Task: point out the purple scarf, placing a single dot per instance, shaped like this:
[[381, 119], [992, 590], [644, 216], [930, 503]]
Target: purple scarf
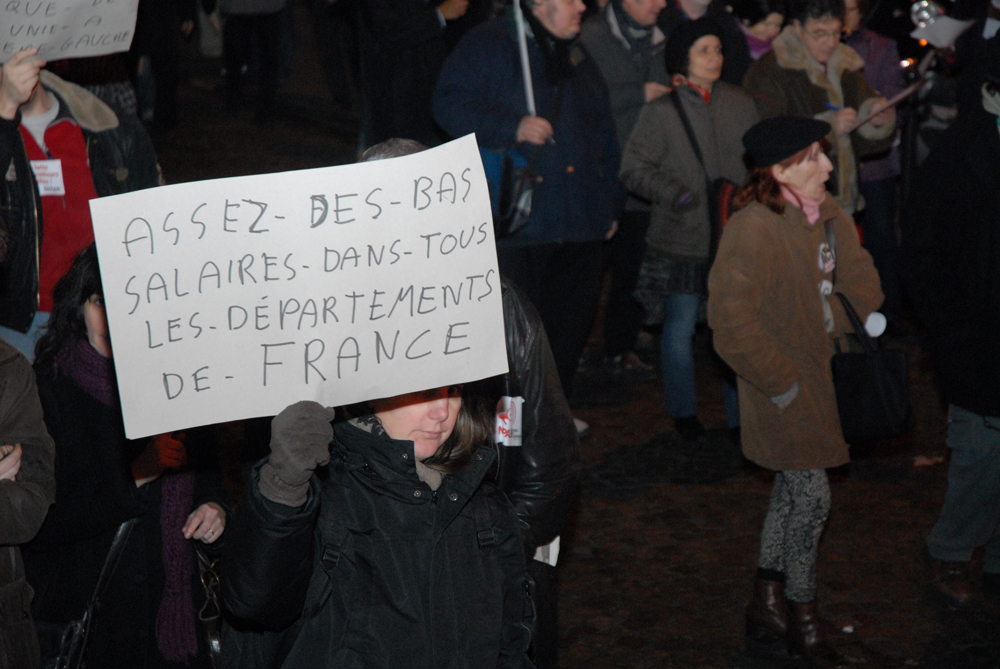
[[175, 627], [88, 369]]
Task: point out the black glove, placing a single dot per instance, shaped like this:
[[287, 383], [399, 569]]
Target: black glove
[[300, 442]]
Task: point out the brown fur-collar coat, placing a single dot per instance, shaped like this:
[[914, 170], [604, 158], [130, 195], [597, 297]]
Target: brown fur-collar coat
[[768, 312], [787, 80]]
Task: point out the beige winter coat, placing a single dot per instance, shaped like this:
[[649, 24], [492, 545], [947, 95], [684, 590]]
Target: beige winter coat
[[786, 80], [767, 312]]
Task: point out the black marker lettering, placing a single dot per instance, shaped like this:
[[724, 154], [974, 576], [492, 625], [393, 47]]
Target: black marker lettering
[[309, 361]]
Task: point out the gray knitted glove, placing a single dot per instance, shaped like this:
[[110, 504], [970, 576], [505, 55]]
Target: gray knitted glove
[[300, 442]]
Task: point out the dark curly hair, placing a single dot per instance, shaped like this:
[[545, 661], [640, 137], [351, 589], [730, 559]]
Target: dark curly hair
[[68, 297], [753, 12], [803, 10]]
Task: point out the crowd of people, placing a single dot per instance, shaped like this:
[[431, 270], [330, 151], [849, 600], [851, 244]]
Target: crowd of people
[[396, 532]]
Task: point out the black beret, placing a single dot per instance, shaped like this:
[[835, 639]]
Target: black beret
[[675, 53], [772, 140]]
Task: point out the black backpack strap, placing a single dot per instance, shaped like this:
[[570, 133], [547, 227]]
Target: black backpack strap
[[484, 527]]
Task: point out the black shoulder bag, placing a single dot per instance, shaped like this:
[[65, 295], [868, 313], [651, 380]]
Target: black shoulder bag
[[73, 644], [511, 181], [872, 385], [720, 192]]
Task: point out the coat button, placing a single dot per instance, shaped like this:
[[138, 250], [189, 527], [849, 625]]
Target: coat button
[[406, 456], [479, 456], [416, 493], [453, 496]]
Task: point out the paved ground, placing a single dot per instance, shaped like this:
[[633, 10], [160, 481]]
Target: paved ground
[[657, 565]]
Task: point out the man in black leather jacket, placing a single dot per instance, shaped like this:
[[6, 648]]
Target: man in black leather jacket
[[540, 476], [120, 157]]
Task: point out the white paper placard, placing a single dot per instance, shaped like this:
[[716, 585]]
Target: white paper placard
[[233, 298], [67, 28]]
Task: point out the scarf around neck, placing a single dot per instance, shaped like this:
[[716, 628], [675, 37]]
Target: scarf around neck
[[555, 51], [680, 80], [798, 199], [639, 37], [758, 47], [89, 370]]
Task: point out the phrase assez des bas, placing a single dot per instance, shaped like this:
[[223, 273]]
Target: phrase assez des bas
[[251, 216]]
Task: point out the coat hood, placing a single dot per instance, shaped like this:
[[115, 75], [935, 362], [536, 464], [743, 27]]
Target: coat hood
[[87, 109]]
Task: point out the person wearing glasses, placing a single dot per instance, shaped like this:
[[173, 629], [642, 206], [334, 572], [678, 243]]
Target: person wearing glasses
[[809, 73]]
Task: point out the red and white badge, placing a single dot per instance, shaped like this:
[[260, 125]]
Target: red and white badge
[[49, 175]]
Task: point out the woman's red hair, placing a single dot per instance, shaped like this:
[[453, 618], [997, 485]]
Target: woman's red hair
[[761, 186]]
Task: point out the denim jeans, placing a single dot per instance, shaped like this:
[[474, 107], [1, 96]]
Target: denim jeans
[[970, 516], [677, 360]]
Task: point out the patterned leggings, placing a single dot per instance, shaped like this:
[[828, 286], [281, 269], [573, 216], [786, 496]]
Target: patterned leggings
[[800, 504]]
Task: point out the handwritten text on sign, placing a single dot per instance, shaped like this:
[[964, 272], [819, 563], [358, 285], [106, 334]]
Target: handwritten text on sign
[[66, 28], [233, 298]]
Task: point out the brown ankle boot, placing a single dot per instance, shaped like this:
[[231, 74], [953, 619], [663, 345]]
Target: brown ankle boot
[[767, 612], [806, 639]]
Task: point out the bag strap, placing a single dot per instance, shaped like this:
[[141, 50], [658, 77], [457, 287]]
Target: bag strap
[[676, 99], [859, 329], [107, 571], [484, 529]]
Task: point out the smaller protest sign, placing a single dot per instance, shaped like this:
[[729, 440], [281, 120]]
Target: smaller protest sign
[[66, 28]]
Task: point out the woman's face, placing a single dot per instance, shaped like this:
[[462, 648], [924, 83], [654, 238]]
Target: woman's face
[[769, 28], [426, 418], [705, 61], [96, 321], [808, 176]]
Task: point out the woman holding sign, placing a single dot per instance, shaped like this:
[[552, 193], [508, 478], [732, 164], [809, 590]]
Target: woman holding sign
[[374, 542], [147, 616]]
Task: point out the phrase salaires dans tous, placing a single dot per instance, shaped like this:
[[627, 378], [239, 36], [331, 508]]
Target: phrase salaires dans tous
[[319, 334]]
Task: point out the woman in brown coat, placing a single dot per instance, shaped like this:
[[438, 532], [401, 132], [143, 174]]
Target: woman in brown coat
[[775, 323]]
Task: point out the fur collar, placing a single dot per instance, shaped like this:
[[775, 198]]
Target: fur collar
[[86, 109], [792, 55]]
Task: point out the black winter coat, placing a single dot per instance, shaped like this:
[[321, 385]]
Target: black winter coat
[[950, 253], [95, 493], [376, 569]]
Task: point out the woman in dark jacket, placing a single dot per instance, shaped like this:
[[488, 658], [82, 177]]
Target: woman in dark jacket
[[394, 553], [770, 305], [660, 164], [147, 617]]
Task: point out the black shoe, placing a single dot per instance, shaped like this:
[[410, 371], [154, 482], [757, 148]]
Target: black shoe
[[689, 427], [950, 582]]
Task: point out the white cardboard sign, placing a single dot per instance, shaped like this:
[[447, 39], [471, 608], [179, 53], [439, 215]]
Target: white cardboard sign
[[67, 28], [233, 298]]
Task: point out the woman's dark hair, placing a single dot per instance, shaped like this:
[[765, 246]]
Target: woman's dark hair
[[753, 12], [803, 10], [68, 297], [474, 427], [761, 186]]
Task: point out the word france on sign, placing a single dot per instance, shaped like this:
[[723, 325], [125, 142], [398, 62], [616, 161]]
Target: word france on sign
[[233, 298]]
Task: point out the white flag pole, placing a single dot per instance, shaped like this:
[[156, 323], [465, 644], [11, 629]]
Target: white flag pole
[[522, 42]]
